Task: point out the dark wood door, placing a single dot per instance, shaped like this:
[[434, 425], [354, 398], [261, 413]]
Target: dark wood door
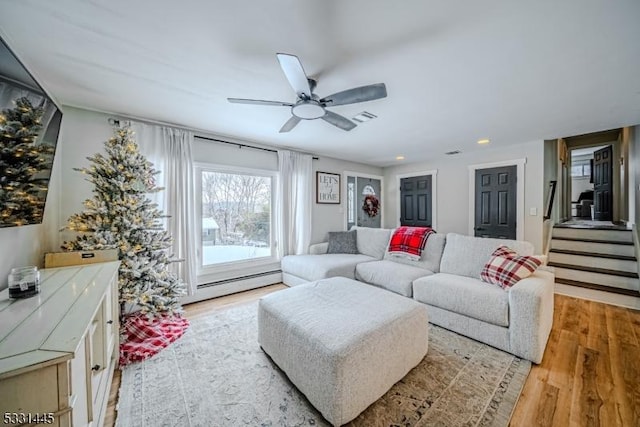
[[602, 184], [495, 202], [415, 201]]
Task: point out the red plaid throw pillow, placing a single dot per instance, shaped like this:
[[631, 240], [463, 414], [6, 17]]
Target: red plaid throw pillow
[[506, 267]]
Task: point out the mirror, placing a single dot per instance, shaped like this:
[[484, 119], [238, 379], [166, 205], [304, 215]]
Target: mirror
[[29, 126]]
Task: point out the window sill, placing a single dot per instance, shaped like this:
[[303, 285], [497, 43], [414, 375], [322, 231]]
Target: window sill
[[237, 269]]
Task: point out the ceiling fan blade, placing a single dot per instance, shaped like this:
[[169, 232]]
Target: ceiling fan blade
[[357, 94], [259, 102], [338, 120], [294, 72], [291, 123]]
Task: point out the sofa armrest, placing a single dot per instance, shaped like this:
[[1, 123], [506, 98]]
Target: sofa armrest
[[531, 315], [319, 248]]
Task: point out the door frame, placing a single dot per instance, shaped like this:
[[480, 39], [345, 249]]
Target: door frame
[[434, 194], [519, 163], [345, 174]]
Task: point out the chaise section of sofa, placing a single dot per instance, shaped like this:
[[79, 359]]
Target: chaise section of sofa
[[371, 245], [299, 269], [517, 320]]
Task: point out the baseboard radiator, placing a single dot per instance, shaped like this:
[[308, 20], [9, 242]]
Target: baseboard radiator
[[238, 279]]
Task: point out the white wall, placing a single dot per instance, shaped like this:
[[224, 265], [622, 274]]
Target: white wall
[[332, 217], [84, 134], [578, 185], [452, 204]]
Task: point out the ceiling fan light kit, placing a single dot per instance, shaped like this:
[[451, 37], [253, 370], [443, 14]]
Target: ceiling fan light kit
[[309, 106], [308, 110]]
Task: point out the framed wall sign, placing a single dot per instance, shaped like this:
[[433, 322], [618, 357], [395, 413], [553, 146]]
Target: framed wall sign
[[327, 188]]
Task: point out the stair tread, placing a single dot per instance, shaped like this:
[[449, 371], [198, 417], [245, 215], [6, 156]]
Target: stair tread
[[597, 287], [580, 239], [593, 254], [594, 270], [593, 227]]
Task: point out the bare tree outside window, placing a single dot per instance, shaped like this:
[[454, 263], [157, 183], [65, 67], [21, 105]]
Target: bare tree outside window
[[236, 217]]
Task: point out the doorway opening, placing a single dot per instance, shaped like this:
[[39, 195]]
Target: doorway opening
[[582, 183], [595, 180], [364, 200]]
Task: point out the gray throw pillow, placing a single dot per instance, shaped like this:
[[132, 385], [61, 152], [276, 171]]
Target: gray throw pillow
[[342, 242]]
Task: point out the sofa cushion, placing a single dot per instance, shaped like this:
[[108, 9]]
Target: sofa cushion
[[390, 275], [316, 267], [372, 241], [430, 258], [505, 268], [342, 242], [318, 248], [467, 255], [464, 295]]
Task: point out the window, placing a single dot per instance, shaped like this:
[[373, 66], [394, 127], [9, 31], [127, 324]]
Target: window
[[581, 170], [236, 215], [351, 202]]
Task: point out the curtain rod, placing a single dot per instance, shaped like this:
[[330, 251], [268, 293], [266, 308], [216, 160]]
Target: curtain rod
[[116, 121], [240, 145]]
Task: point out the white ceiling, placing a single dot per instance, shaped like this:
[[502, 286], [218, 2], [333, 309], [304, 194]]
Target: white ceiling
[[456, 71]]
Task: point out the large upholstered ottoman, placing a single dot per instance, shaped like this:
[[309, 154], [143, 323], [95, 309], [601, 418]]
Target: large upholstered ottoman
[[342, 343]]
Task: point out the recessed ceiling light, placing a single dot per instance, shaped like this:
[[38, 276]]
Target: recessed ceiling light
[[483, 141], [399, 157]]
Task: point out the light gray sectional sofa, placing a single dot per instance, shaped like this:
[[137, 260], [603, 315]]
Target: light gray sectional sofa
[[447, 280]]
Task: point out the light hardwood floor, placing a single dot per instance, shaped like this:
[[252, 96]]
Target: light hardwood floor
[[589, 376]]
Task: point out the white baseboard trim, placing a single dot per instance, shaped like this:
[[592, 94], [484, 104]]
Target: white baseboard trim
[[599, 296], [214, 291]]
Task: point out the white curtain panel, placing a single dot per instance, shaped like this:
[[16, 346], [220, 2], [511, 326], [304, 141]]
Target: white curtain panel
[[294, 201], [170, 150]]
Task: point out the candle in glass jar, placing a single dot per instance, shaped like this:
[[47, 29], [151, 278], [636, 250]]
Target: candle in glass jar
[[24, 282]]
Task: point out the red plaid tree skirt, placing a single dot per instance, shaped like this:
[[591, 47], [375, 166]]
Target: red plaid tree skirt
[[142, 337]]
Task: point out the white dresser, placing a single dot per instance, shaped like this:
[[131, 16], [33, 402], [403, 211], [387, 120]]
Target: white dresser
[[58, 349]]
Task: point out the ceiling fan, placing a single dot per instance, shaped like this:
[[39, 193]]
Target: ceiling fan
[[308, 106]]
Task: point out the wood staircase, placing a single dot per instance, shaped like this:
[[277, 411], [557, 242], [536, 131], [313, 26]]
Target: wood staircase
[[594, 257]]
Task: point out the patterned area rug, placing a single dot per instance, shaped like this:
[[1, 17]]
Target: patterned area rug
[[217, 375]]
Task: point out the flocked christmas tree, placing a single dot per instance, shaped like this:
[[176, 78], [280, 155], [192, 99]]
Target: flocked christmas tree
[[121, 216], [21, 161]]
